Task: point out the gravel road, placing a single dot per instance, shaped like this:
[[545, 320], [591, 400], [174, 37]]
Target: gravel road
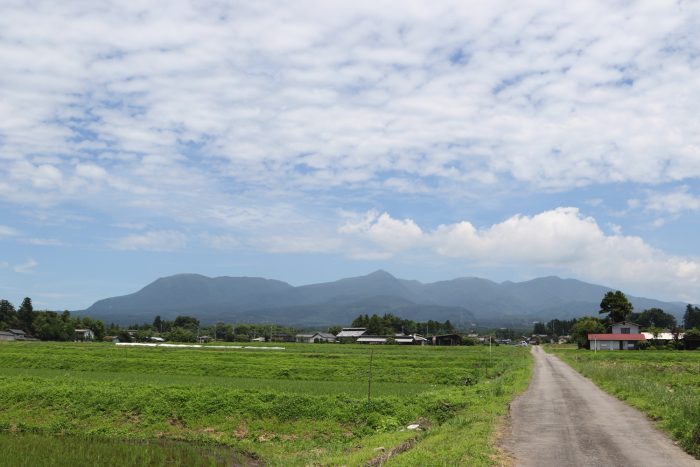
[[563, 419]]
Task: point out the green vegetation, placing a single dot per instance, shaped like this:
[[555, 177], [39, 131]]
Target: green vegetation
[[663, 384], [304, 405]]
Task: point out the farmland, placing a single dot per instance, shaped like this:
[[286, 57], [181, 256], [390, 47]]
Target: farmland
[[305, 404], [663, 384]]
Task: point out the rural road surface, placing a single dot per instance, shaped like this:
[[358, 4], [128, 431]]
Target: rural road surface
[[563, 419]]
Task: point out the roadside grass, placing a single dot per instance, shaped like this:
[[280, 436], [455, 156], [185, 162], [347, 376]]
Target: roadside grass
[[304, 405], [663, 384]]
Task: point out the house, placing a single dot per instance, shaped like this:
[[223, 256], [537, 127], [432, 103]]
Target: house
[[413, 339], [350, 334], [305, 337], [315, 337], [447, 339], [6, 336], [203, 339], [282, 337], [18, 333], [623, 336], [372, 340], [84, 335]]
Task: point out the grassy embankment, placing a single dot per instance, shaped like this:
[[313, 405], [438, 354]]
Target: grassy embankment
[[306, 404], [663, 384]]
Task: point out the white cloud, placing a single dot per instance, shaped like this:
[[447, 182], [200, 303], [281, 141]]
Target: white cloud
[[561, 240], [8, 231], [673, 202], [26, 267], [156, 240], [44, 241], [171, 109], [221, 242]]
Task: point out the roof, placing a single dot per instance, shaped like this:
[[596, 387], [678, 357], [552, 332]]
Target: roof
[[371, 339], [662, 336], [16, 331], [351, 332], [305, 335], [616, 337], [325, 335], [83, 330], [4, 333]]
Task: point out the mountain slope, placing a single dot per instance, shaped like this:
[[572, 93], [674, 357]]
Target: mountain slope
[[464, 300]]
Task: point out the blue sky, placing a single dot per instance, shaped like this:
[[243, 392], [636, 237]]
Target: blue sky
[[318, 140]]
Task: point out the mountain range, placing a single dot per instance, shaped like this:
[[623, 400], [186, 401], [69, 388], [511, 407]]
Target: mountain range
[[466, 302]]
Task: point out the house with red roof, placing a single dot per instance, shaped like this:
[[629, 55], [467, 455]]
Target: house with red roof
[[623, 336]]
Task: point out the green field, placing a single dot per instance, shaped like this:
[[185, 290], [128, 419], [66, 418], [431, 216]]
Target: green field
[[303, 405], [663, 384]]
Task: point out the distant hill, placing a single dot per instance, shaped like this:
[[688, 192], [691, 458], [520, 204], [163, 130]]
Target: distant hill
[[464, 301]]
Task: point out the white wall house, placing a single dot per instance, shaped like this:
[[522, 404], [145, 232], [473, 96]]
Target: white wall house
[[623, 336]]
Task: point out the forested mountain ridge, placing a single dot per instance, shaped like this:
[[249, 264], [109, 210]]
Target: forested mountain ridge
[[465, 301]]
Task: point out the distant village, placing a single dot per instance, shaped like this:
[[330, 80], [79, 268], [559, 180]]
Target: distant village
[[620, 329]]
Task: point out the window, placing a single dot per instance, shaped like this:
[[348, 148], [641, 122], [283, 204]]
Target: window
[[624, 330]]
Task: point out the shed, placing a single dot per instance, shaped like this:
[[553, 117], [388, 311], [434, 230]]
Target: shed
[[6, 336], [372, 340], [413, 339], [350, 334], [447, 339], [84, 335], [18, 333]]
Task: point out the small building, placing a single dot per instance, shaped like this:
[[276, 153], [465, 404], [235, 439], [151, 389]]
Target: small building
[[372, 340], [258, 339], [447, 339], [283, 337], [84, 335], [350, 334], [18, 333], [315, 337], [413, 339], [662, 337], [623, 336], [305, 337], [156, 339], [6, 336], [203, 339]]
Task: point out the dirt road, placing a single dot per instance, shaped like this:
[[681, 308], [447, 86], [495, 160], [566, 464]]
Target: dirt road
[[565, 420]]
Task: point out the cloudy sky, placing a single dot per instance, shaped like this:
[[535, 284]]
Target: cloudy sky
[[309, 141]]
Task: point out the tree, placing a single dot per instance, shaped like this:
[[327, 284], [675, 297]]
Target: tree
[[187, 322], [691, 318], [8, 314], [26, 314], [654, 318], [158, 324], [583, 327], [616, 306]]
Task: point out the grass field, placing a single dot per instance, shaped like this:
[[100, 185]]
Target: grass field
[[663, 384], [303, 405]]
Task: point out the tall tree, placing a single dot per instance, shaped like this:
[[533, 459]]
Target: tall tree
[[158, 324], [26, 314], [616, 306], [8, 314], [691, 318], [583, 327], [654, 318]]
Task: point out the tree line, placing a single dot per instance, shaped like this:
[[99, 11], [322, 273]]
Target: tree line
[[46, 325], [389, 324]]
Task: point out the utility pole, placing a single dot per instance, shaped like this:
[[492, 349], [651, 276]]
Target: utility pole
[[369, 377]]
